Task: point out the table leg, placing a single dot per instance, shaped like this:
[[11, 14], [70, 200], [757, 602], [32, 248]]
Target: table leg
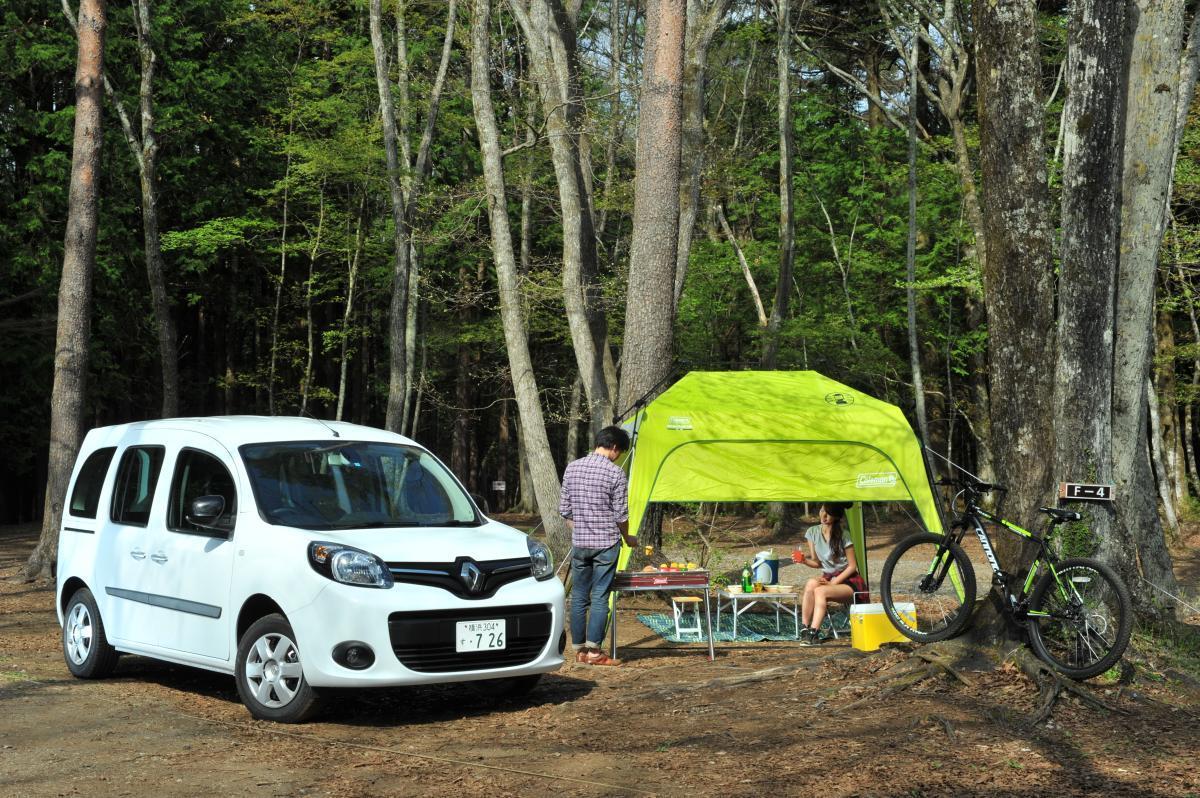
[[708, 624], [612, 624]]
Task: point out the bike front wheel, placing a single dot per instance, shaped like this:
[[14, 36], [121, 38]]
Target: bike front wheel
[[928, 587], [1080, 618]]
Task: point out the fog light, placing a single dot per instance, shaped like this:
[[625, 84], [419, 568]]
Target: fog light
[[353, 654], [562, 642]]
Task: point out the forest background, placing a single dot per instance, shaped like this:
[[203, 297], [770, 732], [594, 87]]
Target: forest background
[[298, 214]]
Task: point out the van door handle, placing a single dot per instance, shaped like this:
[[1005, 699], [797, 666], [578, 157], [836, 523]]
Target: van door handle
[[137, 554], [158, 557]]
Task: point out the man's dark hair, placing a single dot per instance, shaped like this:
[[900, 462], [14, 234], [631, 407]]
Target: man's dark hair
[[611, 437]]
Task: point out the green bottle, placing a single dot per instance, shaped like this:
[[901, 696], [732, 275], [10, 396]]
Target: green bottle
[[747, 585]]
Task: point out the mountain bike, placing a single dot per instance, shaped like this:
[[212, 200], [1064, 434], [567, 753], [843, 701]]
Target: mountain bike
[[1077, 611]]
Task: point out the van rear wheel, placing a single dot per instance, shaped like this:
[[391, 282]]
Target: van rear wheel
[[85, 645], [270, 675]]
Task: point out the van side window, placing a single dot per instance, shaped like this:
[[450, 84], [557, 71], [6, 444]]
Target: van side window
[[199, 474], [85, 497], [136, 478]]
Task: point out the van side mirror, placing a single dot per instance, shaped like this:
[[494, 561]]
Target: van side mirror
[[205, 511], [481, 503]]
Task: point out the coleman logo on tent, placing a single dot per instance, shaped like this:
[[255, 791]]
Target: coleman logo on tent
[[883, 479], [679, 422], [841, 399]]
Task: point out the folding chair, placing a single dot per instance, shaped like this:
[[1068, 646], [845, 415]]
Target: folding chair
[[838, 623]]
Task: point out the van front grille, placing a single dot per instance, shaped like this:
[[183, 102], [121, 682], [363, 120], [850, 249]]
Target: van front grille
[[425, 641]]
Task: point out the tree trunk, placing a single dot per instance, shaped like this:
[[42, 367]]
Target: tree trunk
[[1019, 270], [914, 345], [145, 155], [398, 312], [148, 173], [649, 311], [550, 38], [348, 310], [535, 443], [1092, 152], [73, 335], [1157, 460], [787, 230], [310, 338], [1150, 136], [703, 18]]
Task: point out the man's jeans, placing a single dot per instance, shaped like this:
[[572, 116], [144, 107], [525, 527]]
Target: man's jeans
[[592, 573]]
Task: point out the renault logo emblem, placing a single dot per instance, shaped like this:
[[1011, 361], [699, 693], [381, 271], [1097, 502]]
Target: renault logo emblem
[[471, 576]]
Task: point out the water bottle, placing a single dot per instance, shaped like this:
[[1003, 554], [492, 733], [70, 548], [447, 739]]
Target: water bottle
[[747, 585]]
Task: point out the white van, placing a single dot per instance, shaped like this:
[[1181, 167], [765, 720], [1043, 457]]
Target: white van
[[296, 554]]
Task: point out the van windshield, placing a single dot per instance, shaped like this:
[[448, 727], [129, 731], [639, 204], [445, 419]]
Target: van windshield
[[354, 485]]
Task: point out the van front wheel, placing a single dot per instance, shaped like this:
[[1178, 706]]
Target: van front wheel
[[270, 677]]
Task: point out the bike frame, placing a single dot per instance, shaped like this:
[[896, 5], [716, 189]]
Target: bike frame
[[974, 517]]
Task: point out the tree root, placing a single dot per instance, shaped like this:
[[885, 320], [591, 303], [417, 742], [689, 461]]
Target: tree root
[[944, 665], [902, 681], [946, 725], [1052, 685]]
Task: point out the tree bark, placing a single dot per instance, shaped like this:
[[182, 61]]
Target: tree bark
[[650, 305], [1019, 271], [1092, 155], [787, 230], [73, 334], [534, 440]]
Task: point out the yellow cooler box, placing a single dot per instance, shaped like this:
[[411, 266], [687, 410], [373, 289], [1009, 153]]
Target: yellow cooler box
[[870, 627]]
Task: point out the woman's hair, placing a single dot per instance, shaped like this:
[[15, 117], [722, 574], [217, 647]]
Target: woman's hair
[[837, 512]]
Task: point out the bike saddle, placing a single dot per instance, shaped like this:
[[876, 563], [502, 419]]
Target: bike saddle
[[1061, 515]]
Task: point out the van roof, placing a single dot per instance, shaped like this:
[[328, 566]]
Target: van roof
[[234, 431]]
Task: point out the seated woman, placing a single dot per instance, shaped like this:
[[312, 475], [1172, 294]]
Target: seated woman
[[832, 551]]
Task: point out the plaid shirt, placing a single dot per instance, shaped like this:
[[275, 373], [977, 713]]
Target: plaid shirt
[[594, 498]]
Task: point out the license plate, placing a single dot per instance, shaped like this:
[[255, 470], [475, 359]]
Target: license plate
[[479, 635]]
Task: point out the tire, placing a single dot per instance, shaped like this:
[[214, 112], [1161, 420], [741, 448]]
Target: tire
[[511, 687], [85, 645], [269, 673], [1086, 633], [944, 598]]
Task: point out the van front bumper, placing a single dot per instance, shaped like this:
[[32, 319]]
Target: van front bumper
[[411, 630]]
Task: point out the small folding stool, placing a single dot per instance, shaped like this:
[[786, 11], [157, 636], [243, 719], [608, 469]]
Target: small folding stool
[[687, 616]]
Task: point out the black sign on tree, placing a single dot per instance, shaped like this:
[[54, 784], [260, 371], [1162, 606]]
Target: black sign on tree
[[1075, 491]]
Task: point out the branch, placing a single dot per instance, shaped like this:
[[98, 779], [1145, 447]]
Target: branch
[[853, 82], [758, 305]]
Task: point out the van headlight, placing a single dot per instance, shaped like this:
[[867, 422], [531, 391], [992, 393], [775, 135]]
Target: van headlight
[[542, 559], [348, 565]]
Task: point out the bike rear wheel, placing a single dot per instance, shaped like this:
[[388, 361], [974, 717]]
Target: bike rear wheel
[[1088, 616], [934, 576]]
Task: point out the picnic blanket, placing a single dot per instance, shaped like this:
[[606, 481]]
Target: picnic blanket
[[752, 627]]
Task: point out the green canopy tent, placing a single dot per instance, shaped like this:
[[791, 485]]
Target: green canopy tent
[[786, 436]]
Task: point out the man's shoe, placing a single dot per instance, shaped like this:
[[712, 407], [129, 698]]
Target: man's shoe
[[582, 654], [806, 636], [600, 658]]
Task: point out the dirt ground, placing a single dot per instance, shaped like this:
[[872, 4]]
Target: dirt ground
[[764, 719]]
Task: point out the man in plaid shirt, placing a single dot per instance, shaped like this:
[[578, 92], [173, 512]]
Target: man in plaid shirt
[[595, 504]]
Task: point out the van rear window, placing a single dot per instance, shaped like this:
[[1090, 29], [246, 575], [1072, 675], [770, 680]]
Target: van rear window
[[137, 477], [85, 497]]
